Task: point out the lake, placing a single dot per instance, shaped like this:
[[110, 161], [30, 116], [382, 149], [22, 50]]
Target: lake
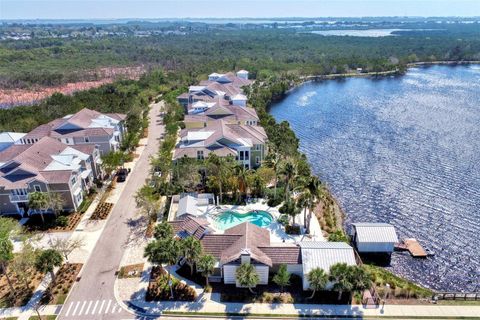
[[375, 33], [403, 150]]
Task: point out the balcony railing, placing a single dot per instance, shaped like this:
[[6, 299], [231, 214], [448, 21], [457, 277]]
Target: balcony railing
[[18, 198]]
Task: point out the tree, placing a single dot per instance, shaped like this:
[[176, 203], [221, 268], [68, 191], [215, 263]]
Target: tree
[[242, 176], [186, 174], [218, 169], [206, 265], [290, 172], [192, 251], [290, 208], [147, 199], [317, 279], [112, 160], [39, 201], [360, 278], [163, 252], [66, 246], [338, 236], [274, 161], [340, 275], [24, 262], [6, 256], [55, 202], [282, 278], [47, 260], [247, 276], [163, 230]]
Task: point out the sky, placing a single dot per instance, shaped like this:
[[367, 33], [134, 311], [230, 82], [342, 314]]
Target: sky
[[151, 9]]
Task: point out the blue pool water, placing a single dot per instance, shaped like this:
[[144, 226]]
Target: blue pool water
[[230, 219]]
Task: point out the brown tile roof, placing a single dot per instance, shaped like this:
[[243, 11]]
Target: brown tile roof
[[215, 244], [283, 254], [87, 148], [190, 225]]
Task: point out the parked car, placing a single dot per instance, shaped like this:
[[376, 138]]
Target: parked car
[[122, 175]]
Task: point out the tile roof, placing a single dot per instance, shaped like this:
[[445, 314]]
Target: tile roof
[[188, 225], [283, 254]]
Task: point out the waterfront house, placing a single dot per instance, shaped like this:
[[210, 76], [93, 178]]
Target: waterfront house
[[10, 138], [84, 127], [48, 165], [376, 238], [247, 144], [205, 115]]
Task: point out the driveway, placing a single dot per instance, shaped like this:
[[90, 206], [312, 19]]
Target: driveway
[[93, 296]]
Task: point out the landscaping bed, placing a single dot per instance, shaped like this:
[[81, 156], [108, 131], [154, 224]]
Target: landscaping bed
[[102, 211], [184, 271], [271, 293], [131, 271], [158, 289], [23, 291], [66, 276], [62, 223]]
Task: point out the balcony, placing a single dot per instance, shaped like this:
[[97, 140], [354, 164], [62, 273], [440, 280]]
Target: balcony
[[18, 198]]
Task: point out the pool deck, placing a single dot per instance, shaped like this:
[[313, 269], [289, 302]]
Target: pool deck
[[277, 233]]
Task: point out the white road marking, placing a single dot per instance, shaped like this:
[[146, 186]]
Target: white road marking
[[68, 310], [108, 306], [95, 306], [88, 308], [101, 307], [76, 307], [81, 309]]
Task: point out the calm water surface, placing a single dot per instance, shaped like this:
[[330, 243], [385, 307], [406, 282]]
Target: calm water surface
[[403, 150]]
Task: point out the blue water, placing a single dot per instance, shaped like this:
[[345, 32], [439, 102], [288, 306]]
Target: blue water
[[403, 150], [230, 219]]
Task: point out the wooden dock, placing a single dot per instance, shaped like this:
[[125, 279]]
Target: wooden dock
[[415, 249]]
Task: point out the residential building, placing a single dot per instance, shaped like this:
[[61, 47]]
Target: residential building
[[84, 127], [248, 243], [374, 237], [10, 138], [246, 143], [205, 115], [48, 165]]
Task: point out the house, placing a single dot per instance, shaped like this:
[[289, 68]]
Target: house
[[323, 255], [200, 118], [247, 144], [46, 166], [243, 74], [374, 237], [189, 204], [10, 138], [84, 127], [248, 243]]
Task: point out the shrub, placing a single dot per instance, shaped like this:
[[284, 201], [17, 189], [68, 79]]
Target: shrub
[[292, 229], [283, 219], [61, 221]]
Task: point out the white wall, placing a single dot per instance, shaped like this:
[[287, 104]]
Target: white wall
[[375, 246], [295, 269], [229, 274]]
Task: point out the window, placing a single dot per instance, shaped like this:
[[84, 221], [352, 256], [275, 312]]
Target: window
[[200, 155], [37, 188], [73, 180], [87, 139], [246, 155], [241, 155], [257, 160]]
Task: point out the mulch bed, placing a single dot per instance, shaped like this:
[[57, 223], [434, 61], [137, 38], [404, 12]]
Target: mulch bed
[[23, 293], [35, 224], [102, 211], [131, 271], [158, 289], [184, 271], [66, 276]]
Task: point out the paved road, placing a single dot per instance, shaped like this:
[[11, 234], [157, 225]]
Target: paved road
[[93, 297]]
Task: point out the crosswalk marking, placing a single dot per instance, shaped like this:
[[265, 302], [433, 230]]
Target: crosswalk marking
[[95, 307], [68, 310], [89, 308], [76, 307], [101, 306], [108, 306]]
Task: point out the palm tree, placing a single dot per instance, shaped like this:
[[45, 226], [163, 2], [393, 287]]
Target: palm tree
[[282, 278], [192, 251], [247, 276], [340, 275], [310, 194], [274, 161], [360, 278], [163, 230], [290, 172], [219, 169], [206, 264], [48, 260], [317, 279], [163, 252], [39, 201], [242, 175]]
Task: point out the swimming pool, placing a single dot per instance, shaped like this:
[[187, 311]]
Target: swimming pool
[[230, 219]]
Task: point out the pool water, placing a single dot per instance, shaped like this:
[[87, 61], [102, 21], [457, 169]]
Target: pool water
[[230, 219]]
